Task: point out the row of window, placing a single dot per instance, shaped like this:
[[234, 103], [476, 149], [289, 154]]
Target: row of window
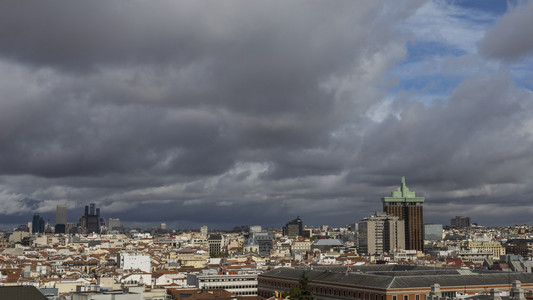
[[338, 292], [347, 294], [228, 279], [225, 287], [246, 293], [406, 297]]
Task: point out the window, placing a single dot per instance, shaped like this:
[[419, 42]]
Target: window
[[393, 297], [405, 297], [417, 297]]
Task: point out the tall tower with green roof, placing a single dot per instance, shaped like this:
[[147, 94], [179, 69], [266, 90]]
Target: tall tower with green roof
[[404, 204]]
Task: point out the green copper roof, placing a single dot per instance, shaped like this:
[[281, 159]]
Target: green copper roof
[[402, 194]]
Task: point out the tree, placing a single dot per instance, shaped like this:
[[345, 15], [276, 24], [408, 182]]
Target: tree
[[303, 292]]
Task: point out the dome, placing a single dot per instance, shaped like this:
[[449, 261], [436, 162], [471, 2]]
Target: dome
[[251, 242]]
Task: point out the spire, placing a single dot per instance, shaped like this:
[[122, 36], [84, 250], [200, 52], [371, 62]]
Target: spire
[[403, 194]]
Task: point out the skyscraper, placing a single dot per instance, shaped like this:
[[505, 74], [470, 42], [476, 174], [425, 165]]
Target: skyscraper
[[37, 224], [61, 219], [61, 214], [91, 220], [405, 205]]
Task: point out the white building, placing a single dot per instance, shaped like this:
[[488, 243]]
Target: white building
[[127, 261], [164, 278], [243, 284], [203, 229]]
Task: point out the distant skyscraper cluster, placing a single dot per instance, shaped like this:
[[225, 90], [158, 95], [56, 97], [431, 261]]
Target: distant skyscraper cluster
[[91, 222]]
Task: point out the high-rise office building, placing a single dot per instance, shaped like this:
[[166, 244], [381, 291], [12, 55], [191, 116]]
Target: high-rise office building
[[37, 224], [404, 204], [61, 214], [61, 219], [381, 233], [294, 228]]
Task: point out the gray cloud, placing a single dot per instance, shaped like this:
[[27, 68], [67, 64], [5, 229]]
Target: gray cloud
[[510, 39], [482, 134], [236, 112]]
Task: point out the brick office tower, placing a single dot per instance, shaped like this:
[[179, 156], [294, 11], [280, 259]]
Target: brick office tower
[[405, 205]]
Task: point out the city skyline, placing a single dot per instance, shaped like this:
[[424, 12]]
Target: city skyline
[[241, 113]]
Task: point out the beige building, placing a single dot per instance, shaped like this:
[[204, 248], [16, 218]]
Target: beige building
[[381, 233], [17, 236], [189, 258], [495, 248], [301, 246]]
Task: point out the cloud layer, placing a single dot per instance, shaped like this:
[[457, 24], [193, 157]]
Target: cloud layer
[[239, 112]]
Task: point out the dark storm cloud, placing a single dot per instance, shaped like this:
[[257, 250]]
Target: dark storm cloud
[[180, 87], [510, 39]]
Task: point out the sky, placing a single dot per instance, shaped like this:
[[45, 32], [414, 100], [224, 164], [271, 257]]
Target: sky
[[239, 112]]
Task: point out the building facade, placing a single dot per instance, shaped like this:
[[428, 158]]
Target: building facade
[[381, 233], [433, 232], [114, 224], [128, 261], [238, 284], [265, 241], [460, 222], [388, 282], [294, 228], [495, 248], [215, 243]]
